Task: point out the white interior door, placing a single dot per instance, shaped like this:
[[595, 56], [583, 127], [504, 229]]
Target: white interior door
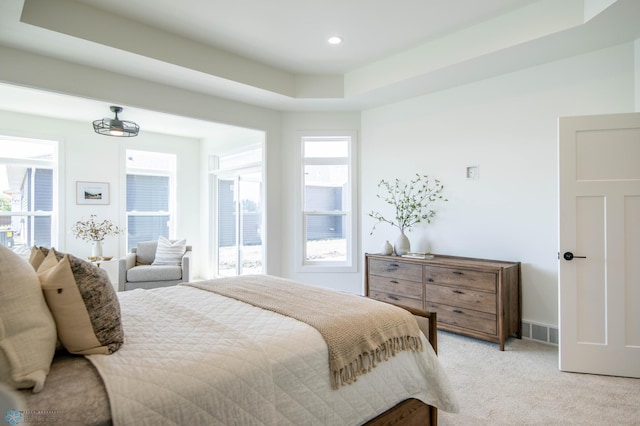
[[599, 225]]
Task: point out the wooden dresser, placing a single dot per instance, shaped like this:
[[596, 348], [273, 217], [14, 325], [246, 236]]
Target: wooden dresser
[[476, 297]]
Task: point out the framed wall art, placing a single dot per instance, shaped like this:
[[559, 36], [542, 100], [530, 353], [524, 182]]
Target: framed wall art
[[92, 192]]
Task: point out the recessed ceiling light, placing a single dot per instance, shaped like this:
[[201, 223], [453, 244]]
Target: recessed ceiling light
[[335, 40]]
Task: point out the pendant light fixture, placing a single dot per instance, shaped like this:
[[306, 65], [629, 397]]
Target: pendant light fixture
[[116, 127]]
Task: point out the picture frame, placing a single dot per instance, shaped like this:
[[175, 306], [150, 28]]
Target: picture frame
[[92, 192]]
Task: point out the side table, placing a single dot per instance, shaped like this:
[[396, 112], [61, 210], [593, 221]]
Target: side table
[[111, 267]]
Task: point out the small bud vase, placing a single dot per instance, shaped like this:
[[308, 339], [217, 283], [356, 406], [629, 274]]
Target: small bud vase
[[387, 248], [402, 245], [96, 249]]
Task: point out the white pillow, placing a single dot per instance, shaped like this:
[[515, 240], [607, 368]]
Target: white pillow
[[169, 252], [27, 328]]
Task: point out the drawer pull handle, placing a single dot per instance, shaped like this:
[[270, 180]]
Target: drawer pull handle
[[458, 292], [394, 282], [458, 311], [430, 280], [458, 273], [393, 298]]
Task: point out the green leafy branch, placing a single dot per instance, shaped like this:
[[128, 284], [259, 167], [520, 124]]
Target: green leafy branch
[[412, 201]]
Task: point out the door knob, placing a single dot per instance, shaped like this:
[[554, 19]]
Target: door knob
[[569, 256]]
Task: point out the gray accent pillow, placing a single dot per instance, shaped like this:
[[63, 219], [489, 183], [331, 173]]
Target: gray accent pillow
[[86, 307], [146, 252]]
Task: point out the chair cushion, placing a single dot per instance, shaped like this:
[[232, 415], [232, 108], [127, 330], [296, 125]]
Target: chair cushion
[[27, 328], [169, 252], [154, 273], [146, 252], [84, 304]]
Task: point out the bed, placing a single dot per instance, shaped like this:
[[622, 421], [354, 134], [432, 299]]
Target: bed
[[193, 355]]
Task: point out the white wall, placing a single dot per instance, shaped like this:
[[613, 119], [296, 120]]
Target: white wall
[[507, 126]]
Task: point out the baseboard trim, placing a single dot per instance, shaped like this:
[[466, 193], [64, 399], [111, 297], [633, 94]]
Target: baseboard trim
[[540, 332]]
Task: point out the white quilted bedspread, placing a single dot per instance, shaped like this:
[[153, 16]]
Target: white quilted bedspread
[[194, 357]]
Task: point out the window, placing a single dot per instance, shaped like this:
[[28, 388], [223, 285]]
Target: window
[[28, 190], [150, 196], [328, 187]]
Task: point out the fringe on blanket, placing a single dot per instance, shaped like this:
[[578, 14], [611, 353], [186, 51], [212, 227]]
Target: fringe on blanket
[[368, 360]]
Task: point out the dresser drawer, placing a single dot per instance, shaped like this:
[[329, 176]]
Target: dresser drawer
[[389, 285], [398, 270], [396, 291], [396, 299], [465, 318], [477, 280], [461, 297]]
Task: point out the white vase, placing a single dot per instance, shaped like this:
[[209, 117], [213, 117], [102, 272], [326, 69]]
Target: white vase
[[402, 244], [96, 249], [387, 248]]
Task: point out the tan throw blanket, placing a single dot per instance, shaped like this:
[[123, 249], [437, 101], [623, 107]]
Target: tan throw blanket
[[359, 332]]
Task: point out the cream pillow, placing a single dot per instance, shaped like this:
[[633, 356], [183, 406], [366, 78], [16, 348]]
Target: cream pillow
[[27, 329], [169, 252], [37, 256], [83, 303]]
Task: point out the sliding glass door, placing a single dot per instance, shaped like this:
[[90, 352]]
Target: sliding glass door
[[239, 223]]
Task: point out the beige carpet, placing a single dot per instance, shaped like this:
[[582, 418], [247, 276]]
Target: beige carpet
[[523, 386]]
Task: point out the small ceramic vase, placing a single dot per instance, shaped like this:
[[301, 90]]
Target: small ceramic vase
[[387, 248]]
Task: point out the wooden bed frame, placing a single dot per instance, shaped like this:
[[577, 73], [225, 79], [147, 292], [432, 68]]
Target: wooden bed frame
[[413, 412]]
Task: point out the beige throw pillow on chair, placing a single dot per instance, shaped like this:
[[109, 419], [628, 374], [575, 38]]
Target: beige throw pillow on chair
[[169, 252]]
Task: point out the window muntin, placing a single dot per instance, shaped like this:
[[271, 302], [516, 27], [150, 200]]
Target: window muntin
[[150, 190], [327, 203]]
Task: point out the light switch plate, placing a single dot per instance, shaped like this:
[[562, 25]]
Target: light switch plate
[[472, 172]]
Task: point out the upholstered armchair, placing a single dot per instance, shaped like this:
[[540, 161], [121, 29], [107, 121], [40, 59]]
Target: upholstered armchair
[[139, 268]]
